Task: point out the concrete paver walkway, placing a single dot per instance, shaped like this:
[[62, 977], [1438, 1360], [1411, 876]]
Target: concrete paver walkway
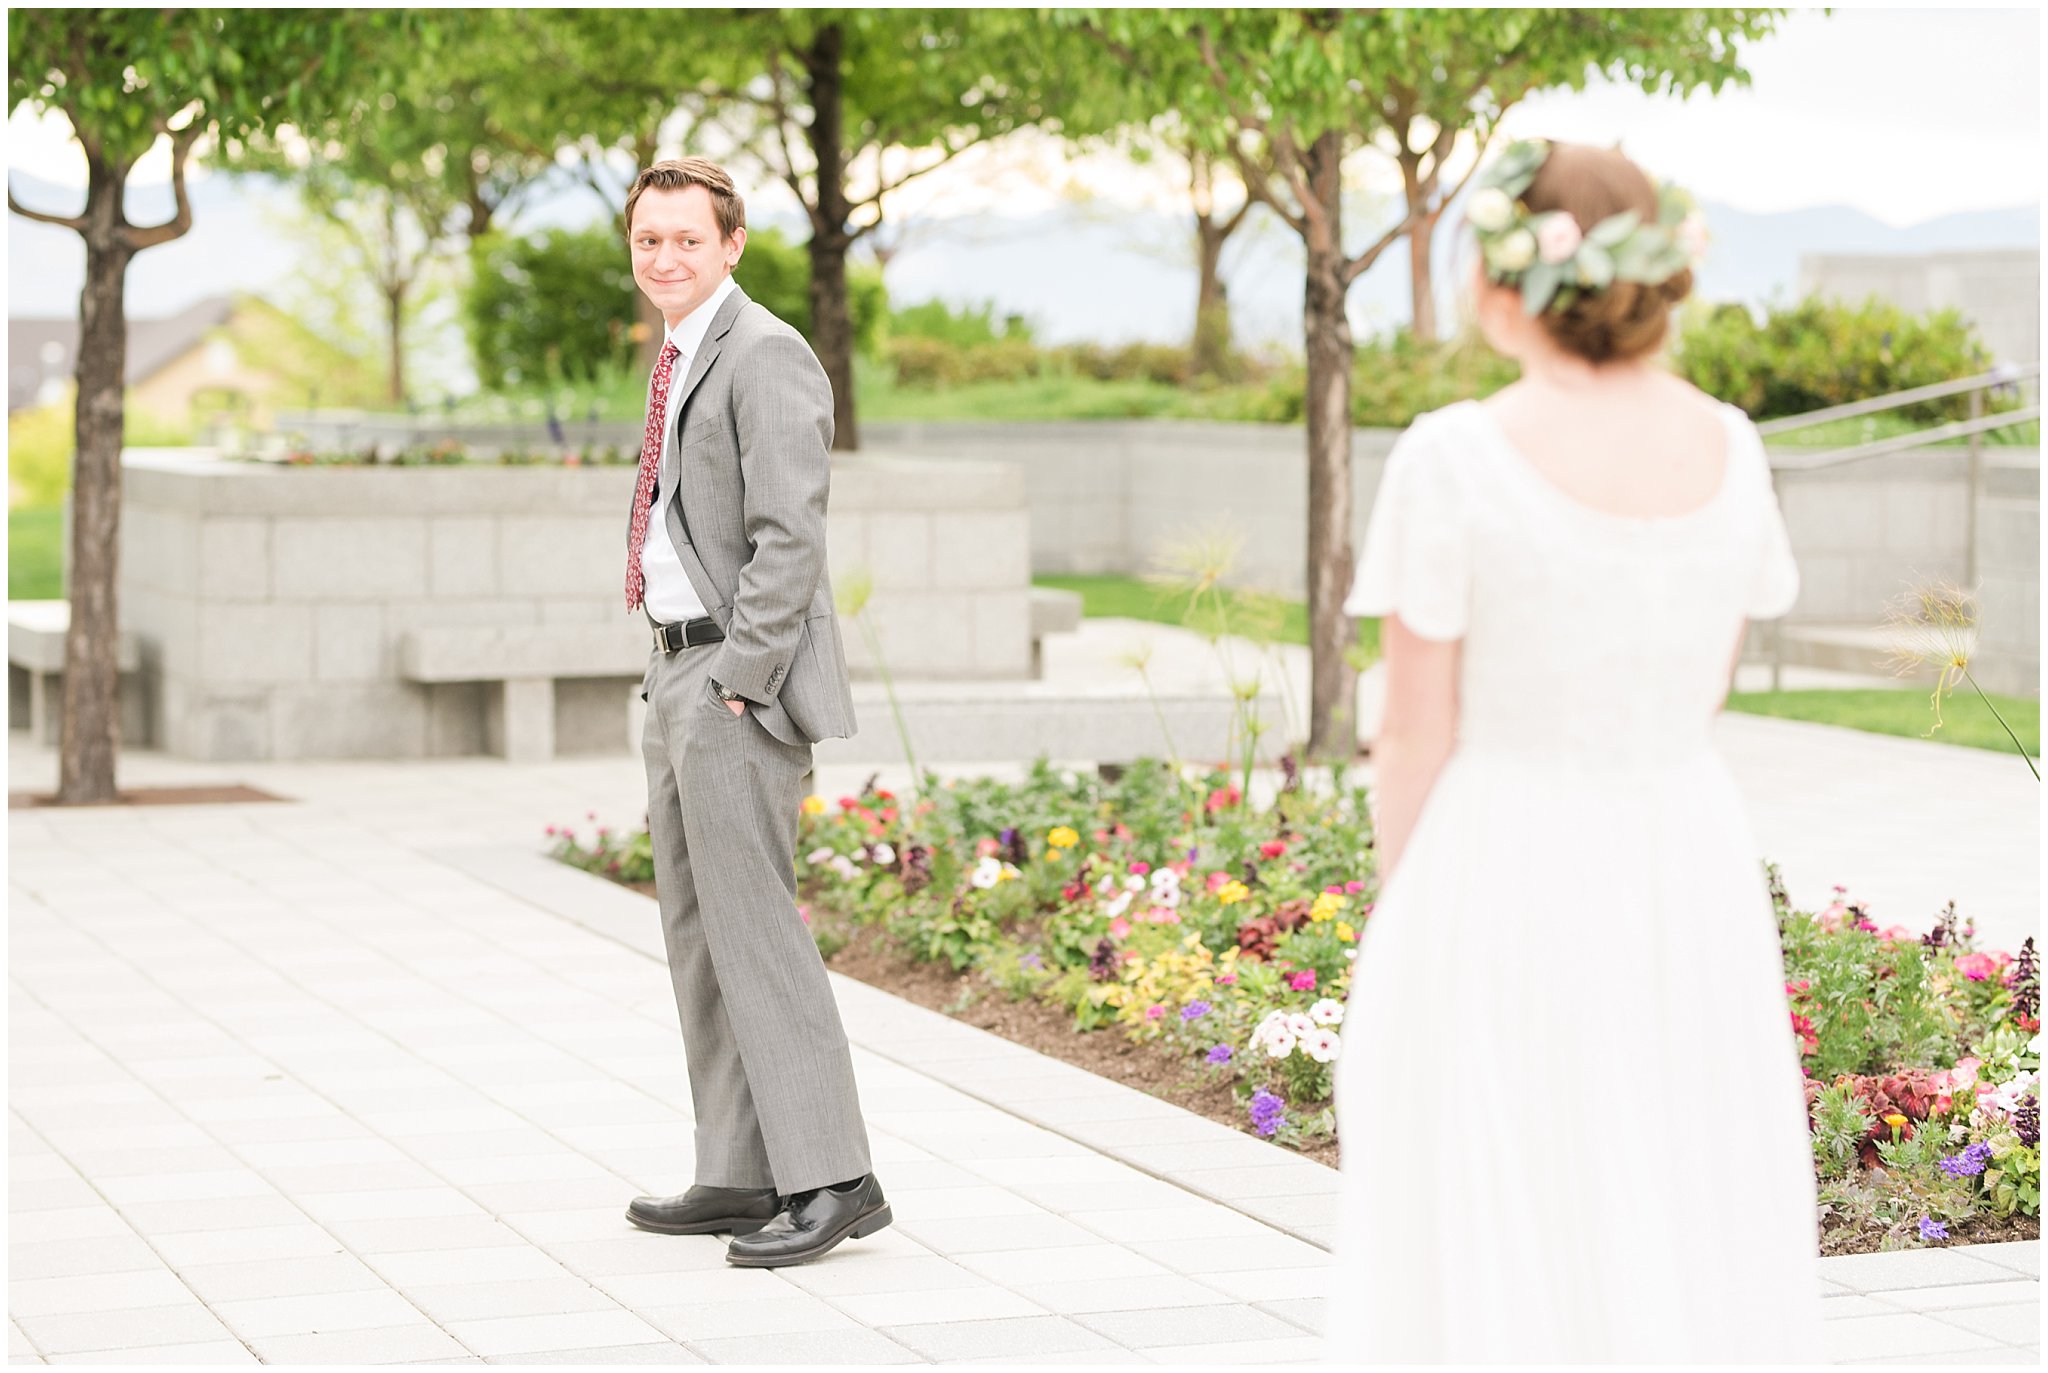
[[362, 1078]]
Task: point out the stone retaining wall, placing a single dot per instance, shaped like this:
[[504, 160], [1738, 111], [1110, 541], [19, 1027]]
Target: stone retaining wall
[[270, 602]]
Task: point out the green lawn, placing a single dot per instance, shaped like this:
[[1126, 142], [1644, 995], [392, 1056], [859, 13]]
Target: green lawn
[[1906, 712], [35, 561], [1870, 428], [1903, 711], [1132, 598]]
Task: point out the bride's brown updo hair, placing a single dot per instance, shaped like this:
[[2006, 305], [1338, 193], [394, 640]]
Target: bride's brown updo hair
[[1627, 319]]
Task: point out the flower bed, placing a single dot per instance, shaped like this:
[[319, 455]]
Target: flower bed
[[1165, 909]]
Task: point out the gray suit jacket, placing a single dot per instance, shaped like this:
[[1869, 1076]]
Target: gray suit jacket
[[746, 473]]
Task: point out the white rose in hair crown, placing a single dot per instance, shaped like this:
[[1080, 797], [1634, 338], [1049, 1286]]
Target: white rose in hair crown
[[1552, 258]]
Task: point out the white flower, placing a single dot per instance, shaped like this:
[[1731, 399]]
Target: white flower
[[1108, 881], [884, 855], [817, 856], [987, 873], [1489, 210], [1322, 1046], [1300, 1026], [843, 865], [1169, 898], [2007, 1097], [1162, 878], [1134, 883], [1279, 1044], [1514, 251], [1121, 904], [1327, 1012]]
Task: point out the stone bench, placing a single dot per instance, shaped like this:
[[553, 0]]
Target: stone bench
[[1052, 612], [35, 672], [524, 662]]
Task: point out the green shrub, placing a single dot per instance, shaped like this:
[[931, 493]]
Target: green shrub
[[962, 326], [558, 305], [777, 273], [1394, 379], [1162, 362], [1819, 353]]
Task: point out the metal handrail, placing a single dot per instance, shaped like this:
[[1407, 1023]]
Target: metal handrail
[[1999, 376], [1903, 443]]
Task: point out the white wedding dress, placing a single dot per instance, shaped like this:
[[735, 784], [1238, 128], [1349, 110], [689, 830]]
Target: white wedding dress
[[1569, 1096]]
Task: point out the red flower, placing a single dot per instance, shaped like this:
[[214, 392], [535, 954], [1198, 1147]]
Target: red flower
[[1272, 848]]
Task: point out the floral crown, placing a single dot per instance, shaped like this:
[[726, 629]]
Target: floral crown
[[1552, 258]]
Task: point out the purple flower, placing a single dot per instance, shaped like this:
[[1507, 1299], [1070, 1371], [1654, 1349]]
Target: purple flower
[[1932, 1229], [1968, 1163], [1219, 1054], [1194, 1010], [1032, 960], [1269, 1113]]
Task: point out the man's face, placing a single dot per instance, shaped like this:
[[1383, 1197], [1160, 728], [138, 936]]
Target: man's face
[[678, 257]]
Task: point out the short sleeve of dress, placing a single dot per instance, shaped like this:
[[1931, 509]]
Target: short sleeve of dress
[[1417, 557], [1774, 582]]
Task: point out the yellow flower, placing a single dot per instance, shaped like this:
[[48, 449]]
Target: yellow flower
[[1326, 906], [1230, 893], [1062, 837], [1345, 932], [814, 805]]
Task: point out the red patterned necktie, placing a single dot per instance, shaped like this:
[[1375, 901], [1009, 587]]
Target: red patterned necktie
[[650, 468]]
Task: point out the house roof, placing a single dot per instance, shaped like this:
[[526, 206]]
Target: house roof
[[40, 351]]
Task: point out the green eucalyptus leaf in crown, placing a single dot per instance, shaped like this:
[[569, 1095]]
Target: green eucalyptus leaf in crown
[[1552, 258]]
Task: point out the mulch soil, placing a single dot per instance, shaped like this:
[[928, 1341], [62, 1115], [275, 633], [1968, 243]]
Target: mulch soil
[[155, 796], [871, 956]]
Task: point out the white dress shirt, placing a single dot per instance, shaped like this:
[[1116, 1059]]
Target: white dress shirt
[[669, 595]]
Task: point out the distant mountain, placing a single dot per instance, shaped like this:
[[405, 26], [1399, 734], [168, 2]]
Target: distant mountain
[[1077, 271]]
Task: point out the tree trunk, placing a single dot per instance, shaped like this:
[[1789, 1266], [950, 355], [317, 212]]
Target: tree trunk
[[394, 319], [1333, 732], [1421, 242], [1212, 301], [831, 316], [90, 735]]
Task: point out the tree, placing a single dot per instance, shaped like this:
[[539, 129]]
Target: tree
[[883, 95], [1291, 95], [125, 79]]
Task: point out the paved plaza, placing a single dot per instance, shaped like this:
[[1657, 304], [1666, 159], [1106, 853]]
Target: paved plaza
[[364, 1077]]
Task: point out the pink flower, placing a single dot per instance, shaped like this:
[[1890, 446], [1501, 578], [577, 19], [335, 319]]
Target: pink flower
[[1831, 918], [1892, 934], [1119, 927], [1163, 915], [1558, 237], [1335, 889], [1140, 867], [1303, 981], [1272, 848], [986, 848], [1227, 980], [1218, 881], [1353, 888], [1976, 966], [1154, 1011], [805, 912]]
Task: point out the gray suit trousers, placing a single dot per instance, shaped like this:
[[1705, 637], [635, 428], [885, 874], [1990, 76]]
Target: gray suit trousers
[[771, 1076]]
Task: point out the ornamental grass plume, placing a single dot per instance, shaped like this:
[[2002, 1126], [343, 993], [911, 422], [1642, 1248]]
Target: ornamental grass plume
[[1935, 626]]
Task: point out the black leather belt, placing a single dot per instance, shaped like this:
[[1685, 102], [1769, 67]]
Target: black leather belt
[[674, 638]]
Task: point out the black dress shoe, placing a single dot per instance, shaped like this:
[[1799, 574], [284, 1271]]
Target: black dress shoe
[[706, 1211], [812, 1224]]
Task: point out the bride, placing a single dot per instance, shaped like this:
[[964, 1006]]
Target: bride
[[1570, 1099]]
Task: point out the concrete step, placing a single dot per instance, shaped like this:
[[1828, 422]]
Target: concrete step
[[1856, 648]]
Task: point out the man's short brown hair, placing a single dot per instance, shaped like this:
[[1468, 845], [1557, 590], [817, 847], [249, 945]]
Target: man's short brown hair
[[674, 173]]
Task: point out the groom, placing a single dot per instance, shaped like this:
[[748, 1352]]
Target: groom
[[726, 557]]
